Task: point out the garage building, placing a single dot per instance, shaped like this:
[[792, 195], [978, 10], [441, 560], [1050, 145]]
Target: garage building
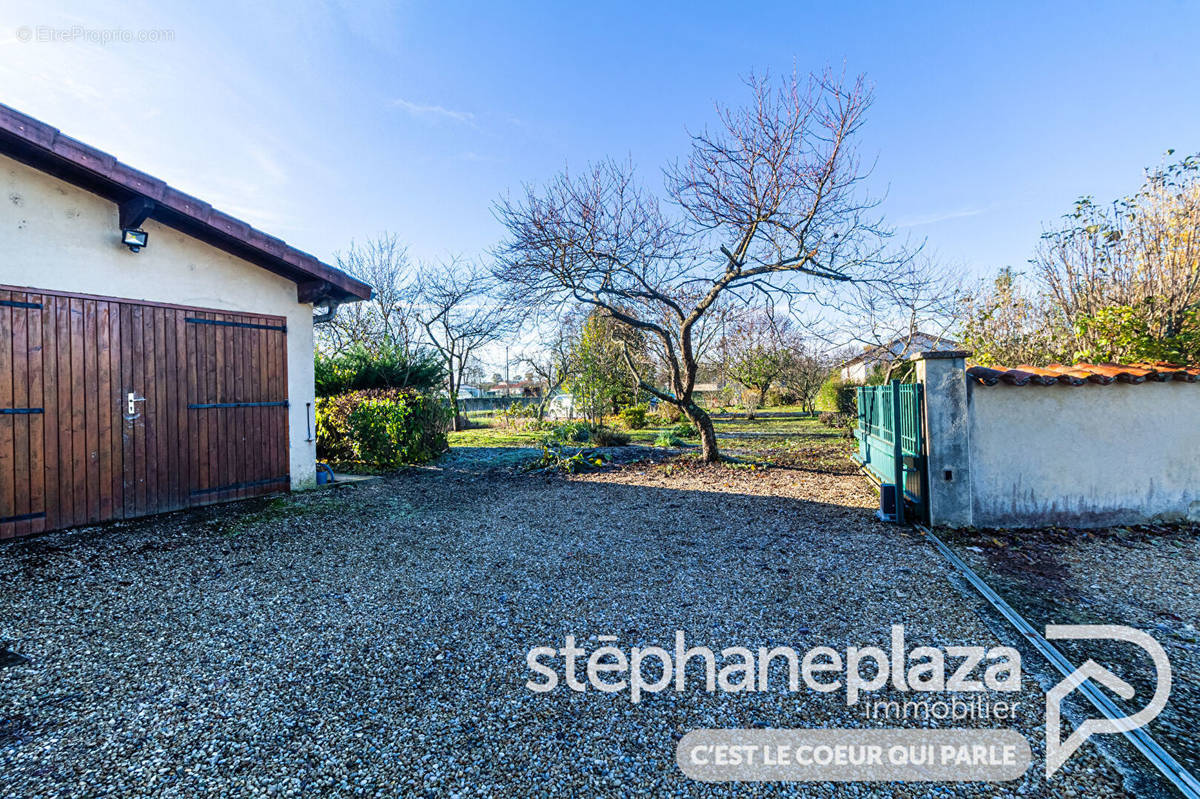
[[137, 378]]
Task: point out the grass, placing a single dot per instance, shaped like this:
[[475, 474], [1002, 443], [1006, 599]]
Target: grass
[[775, 434]]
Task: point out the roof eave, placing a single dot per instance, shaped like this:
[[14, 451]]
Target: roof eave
[[44, 148]]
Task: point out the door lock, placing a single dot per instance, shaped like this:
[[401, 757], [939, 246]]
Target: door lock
[[132, 397]]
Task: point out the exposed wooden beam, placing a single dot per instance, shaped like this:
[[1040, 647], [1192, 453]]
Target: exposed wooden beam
[[134, 212], [313, 291]]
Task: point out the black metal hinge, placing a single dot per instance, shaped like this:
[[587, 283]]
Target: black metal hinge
[[24, 517], [236, 486], [206, 405], [223, 323]]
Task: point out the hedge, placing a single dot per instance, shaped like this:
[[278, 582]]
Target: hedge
[[359, 369], [384, 428]]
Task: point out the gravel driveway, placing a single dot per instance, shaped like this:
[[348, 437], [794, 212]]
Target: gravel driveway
[[370, 640]]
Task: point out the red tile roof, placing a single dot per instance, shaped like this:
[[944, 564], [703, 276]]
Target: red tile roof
[[1081, 373], [44, 147]]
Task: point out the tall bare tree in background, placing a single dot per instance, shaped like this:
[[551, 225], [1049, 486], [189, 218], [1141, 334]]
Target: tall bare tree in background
[[553, 359], [769, 205], [455, 305], [755, 348], [383, 321], [924, 297]]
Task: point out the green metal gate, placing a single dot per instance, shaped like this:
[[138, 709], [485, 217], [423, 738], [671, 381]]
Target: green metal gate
[[890, 444]]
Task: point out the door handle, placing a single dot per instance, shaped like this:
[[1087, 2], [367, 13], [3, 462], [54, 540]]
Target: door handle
[[132, 398]]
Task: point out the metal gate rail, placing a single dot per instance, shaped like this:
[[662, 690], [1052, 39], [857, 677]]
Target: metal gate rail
[[1162, 760]]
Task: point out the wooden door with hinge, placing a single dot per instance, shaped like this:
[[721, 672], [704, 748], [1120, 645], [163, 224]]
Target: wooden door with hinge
[[237, 407], [111, 408]]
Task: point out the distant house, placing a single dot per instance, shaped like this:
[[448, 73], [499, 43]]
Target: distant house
[[469, 392], [858, 369], [517, 388]]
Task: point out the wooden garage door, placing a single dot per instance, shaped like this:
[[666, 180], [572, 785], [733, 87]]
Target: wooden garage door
[[114, 409]]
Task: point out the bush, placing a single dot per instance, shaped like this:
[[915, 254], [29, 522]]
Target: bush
[[830, 419], [684, 430], [608, 437], [634, 417], [518, 416], [568, 433], [838, 397], [778, 397], [584, 433], [847, 400], [670, 413], [383, 428], [359, 369], [668, 439]]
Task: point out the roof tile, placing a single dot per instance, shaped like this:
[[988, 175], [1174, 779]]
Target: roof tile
[[1082, 373]]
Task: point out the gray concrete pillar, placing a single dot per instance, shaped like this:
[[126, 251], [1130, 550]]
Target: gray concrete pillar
[[947, 436]]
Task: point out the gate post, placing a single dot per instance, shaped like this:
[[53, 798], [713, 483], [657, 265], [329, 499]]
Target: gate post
[[947, 430]]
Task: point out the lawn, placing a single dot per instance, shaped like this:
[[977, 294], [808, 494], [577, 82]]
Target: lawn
[[783, 434]]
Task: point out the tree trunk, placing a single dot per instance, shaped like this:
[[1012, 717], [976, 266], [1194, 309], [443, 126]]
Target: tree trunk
[[708, 434]]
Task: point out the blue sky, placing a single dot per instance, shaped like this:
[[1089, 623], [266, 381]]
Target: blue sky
[[322, 122]]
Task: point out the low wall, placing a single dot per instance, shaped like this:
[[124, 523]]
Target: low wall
[[1084, 456], [1057, 455]]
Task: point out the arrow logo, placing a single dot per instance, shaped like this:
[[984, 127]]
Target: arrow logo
[[1057, 750]]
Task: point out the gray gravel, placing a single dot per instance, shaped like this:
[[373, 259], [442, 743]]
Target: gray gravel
[[1142, 577], [370, 640]]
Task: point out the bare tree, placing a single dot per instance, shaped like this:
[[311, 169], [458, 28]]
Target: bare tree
[[804, 373], [554, 360], [382, 321], [923, 298], [757, 347], [455, 306], [768, 205]]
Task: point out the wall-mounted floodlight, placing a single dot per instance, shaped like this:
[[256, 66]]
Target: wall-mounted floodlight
[[134, 239]]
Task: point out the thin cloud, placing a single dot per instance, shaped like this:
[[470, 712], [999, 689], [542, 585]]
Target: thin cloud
[[938, 216], [433, 112]]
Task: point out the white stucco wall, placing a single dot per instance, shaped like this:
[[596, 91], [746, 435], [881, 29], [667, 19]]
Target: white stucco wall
[[57, 237], [1085, 456]]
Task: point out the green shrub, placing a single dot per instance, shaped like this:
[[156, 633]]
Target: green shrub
[[684, 430], [584, 433], [633, 417], [847, 400], [668, 439], [778, 397], [838, 397], [831, 419], [608, 437], [569, 433], [382, 428], [359, 369]]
